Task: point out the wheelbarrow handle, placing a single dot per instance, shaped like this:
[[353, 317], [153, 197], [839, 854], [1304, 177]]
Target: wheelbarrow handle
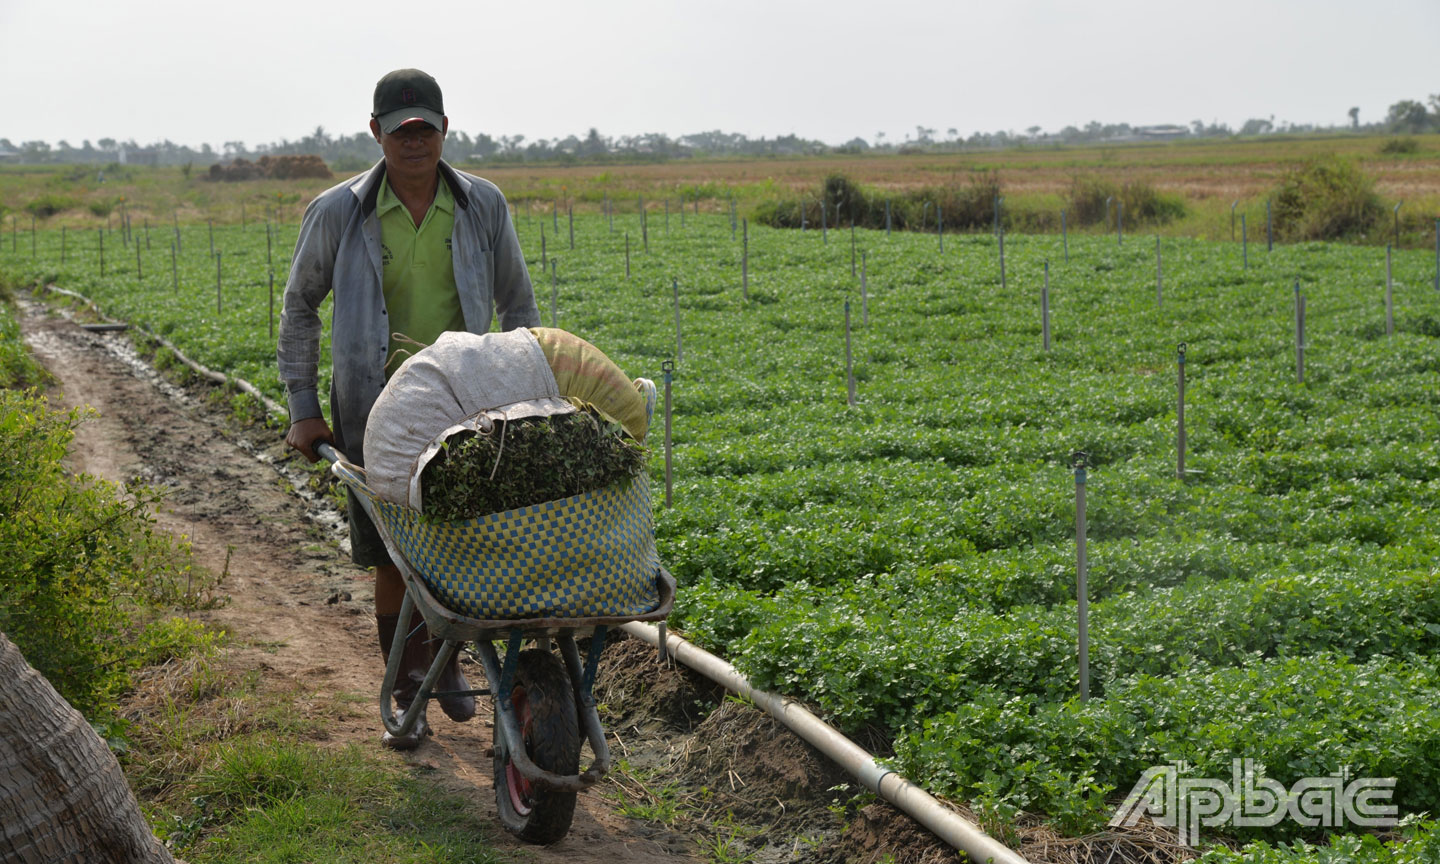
[[325, 450]]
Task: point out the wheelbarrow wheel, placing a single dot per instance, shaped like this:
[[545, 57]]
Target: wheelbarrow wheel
[[544, 705]]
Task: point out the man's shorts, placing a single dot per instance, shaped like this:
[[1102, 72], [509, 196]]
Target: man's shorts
[[366, 547]]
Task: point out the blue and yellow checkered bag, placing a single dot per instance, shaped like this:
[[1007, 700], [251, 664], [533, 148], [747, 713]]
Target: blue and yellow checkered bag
[[589, 555]]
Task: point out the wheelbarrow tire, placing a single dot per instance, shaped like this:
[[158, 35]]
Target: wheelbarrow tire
[[549, 724]]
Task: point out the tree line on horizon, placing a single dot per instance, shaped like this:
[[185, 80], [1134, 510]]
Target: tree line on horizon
[[359, 150]]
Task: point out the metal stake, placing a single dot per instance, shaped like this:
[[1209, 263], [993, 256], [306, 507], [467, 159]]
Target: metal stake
[[1299, 335], [1082, 598], [1002, 260], [1389, 298], [571, 210], [1180, 415], [679, 353], [745, 260], [852, 248], [668, 367], [554, 292], [849, 369], [1045, 310], [139, 276], [1244, 244], [887, 217], [174, 273], [864, 294], [272, 304]]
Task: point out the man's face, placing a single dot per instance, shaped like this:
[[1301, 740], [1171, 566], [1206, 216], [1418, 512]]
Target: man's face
[[413, 150]]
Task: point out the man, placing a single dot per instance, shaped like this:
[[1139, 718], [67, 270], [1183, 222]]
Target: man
[[414, 247]]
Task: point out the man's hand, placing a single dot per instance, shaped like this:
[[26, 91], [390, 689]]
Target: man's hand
[[304, 434]]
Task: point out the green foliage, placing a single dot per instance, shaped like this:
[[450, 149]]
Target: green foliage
[[1419, 843], [18, 369], [1326, 199], [103, 206], [1400, 146], [525, 462], [1143, 204], [49, 204], [962, 206], [82, 558]]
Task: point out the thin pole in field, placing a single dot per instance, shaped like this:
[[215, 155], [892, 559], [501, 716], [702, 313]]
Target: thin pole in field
[[668, 367], [101, 232], [269, 245], [1159, 276], [1108, 199], [802, 215], [1045, 310], [272, 304], [570, 209], [175, 219], [682, 209], [124, 224], [1180, 414], [139, 276], [849, 368], [217, 283], [1002, 260], [1244, 244], [852, 248], [1082, 598], [864, 294], [147, 233], [745, 260], [610, 212], [1397, 221], [995, 229], [554, 292], [887, 217], [1269, 229], [697, 205], [627, 255], [732, 216], [555, 215], [1232, 219], [544, 256], [174, 271], [1065, 235], [1299, 335], [679, 352], [1389, 298]]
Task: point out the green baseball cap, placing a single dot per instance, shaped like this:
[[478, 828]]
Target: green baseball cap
[[405, 95]]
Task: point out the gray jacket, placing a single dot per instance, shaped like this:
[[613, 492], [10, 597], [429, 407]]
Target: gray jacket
[[339, 251]]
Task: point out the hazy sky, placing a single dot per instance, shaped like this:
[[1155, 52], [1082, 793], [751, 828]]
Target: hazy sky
[[260, 70]]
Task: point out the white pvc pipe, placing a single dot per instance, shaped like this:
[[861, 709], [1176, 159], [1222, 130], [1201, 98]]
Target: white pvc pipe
[[948, 825]]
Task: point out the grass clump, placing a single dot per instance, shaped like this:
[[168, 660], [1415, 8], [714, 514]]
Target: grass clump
[[1326, 199], [1090, 202], [525, 462], [963, 206], [49, 204], [1400, 146]]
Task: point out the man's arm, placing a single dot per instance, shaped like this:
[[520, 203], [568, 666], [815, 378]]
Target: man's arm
[[297, 349], [514, 296]]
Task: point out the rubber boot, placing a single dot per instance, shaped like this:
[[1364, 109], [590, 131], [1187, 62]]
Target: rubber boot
[[414, 663], [457, 708]]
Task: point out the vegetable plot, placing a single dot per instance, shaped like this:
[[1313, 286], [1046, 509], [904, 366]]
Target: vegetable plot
[[908, 565]]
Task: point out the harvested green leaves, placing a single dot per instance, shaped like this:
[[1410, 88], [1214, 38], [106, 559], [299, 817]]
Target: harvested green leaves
[[527, 462]]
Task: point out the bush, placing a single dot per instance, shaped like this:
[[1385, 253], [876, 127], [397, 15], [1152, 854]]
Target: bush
[[1326, 199], [963, 207], [49, 204], [81, 556], [1143, 204], [102, 207], [1400, 146]]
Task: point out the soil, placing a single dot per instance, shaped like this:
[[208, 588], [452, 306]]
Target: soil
[[737, 785]]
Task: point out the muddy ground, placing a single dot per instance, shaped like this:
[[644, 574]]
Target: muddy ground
[[702, 777]]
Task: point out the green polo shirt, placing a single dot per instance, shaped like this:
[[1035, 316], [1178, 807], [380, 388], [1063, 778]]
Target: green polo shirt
[[421, 301]]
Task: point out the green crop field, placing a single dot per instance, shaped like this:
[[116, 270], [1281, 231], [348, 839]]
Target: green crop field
[[908, 564]]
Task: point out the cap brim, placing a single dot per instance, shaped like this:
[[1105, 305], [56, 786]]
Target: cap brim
[[395, 119]]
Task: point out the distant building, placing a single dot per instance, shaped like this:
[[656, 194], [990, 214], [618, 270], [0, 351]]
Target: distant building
[[9, 156], [1161, 133]]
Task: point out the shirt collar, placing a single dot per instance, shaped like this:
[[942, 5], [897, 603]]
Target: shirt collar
[[387, 200]]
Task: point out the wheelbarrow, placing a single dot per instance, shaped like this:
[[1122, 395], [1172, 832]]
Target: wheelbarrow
[[542, 702]]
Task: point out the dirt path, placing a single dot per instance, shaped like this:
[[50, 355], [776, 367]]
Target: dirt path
[[286, 579]]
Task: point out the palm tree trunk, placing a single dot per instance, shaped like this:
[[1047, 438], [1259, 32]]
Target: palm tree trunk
[[63, 797]]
